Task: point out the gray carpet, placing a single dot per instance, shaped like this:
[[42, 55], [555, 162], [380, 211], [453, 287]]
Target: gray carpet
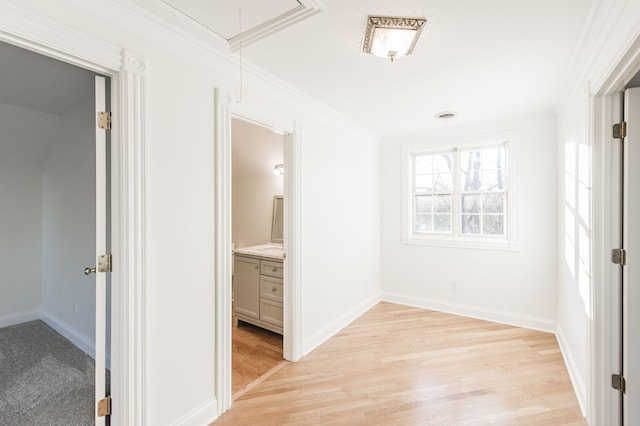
[[44, 378]]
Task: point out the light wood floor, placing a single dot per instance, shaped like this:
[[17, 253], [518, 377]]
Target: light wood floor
[[398, 365], [256, 351]]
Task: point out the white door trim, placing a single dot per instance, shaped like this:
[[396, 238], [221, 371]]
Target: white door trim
[[603, 358], [23, 28], [223, 229]]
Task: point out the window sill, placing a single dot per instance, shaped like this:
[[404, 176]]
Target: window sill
[[462, 242]]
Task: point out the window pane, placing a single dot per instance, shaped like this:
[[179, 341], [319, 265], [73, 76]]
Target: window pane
[[493, 203], [483, 169], [423, 164], [424, 183], [493, 225], [492, 180], [423, 223], [442, 203], [442, 182], [470, 224], [423, 204], [442, 222], [471, 203], [442, 163]]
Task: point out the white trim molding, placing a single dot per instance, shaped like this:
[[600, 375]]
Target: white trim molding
[[493, 315], [293, 245], [19, 318], [306, 9], [223, 247], [574, 372], [129, 217], [200, 416]]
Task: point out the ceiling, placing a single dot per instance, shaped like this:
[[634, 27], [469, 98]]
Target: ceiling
[[229, 18], [33, 81], [483, 60]]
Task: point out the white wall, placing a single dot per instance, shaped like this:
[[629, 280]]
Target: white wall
[[517, 287], [340, 226], [614, 26], [24, 136], [68, 228], [256, 150]]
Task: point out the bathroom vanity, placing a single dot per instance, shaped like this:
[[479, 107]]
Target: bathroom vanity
[[258, 284]]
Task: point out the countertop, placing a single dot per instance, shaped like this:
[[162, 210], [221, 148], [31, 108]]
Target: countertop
[[269, 250]]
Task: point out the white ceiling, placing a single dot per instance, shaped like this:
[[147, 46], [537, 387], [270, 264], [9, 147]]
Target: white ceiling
[[40, 83], [484, 60], [228, 18]]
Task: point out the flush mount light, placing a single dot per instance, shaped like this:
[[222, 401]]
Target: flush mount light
[[278, 170], [446, 115], [389, 37]]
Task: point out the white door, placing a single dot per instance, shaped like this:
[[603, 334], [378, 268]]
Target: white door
[[101, 249], [631, 270]]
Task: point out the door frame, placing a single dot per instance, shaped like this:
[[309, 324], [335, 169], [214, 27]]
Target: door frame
[[127, 71], [603, 356], [292, 336]]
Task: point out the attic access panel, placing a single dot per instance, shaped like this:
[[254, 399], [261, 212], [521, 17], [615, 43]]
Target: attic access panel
[[258, 18]]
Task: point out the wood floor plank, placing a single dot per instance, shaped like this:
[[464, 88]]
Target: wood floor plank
[[255, 352], [399, 365]]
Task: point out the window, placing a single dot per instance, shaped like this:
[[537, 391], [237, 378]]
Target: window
[[459, 196]]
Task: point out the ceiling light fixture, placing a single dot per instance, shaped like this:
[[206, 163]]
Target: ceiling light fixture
[[278, 170], [389, 37], [446, 115]]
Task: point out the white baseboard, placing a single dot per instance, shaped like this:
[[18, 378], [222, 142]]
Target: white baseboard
[[205, 414], [321, 336], [576, 380], [525, 321], [70, 333], [19, 318]]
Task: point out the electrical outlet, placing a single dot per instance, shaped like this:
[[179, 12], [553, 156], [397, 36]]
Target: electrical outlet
[[452, 287]]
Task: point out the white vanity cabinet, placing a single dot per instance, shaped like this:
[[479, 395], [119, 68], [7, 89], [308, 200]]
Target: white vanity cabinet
[[258, 291]]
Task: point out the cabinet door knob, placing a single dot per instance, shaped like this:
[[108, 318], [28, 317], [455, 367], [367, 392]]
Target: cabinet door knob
[[274, 269], [256, 267], [273, 289]]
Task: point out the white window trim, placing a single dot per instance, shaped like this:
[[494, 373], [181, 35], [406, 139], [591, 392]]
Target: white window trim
[[484, 242]]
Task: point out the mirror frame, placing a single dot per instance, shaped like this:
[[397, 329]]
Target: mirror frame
[[277, 220]]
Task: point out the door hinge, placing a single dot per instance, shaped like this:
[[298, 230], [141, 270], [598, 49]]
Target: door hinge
[[104, 120], [104, 406], [620, 130], [619, 256], [618, 382], [104, 263]]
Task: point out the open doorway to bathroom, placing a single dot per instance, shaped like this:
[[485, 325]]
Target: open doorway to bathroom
[[257, 238]]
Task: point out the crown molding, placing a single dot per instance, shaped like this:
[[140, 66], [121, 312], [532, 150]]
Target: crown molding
[[166, 15], [305, 10]]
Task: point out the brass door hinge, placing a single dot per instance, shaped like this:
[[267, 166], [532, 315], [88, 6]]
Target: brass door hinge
[[619, 256], [104, 120], [104, 263], [618, 382], [104, 407], [620, 130]]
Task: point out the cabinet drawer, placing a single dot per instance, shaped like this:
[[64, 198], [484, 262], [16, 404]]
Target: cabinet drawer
[[272, 269], [271, 288], [271, 312]]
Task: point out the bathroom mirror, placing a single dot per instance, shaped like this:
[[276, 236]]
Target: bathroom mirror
[[277, 220]]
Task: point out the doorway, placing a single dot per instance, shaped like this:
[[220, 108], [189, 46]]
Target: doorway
[[292, 270], [616, 196], [257, 239], [48, 310]]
